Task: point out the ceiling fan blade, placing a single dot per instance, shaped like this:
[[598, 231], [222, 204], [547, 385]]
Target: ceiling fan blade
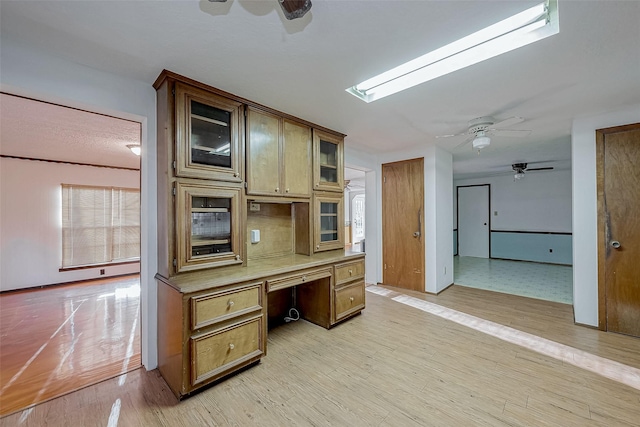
[[511, 133], [294, 9], [453, 135], [539, 169], [507, 122]]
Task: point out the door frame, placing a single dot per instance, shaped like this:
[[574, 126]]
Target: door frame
[[458, 215], [602, 229]]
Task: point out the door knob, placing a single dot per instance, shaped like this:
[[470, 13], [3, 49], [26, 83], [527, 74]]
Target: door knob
[[416, 234], [615, 244]]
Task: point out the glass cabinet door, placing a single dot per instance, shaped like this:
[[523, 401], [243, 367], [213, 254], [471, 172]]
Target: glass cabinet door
[[328, 163], [208, 131], [208, 226], [329, 222]]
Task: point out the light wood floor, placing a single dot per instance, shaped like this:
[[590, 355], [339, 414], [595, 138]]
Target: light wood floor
[[394, 365], [61, 338]]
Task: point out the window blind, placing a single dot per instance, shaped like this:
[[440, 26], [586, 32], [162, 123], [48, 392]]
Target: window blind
[[100, 225]]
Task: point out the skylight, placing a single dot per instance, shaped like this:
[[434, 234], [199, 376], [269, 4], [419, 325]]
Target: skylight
[[529, 26]]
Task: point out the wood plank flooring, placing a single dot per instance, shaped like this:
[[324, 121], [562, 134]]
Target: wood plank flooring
[[393, 365], [61, 338]]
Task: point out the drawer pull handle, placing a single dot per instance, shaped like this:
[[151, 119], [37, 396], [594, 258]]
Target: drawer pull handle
[[304, 278], [350, 272], [231, 303], [231, 346], [351, 299]]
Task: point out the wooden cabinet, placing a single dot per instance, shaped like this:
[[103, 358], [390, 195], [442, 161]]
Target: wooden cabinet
[[209, 225], [207, 335], [328, 163], [328, 221], [209, 130], [213, 321], [348, 293], [278, 155]]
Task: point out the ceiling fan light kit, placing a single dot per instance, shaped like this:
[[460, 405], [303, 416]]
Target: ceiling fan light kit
[[481, 141], [531, 25], [135, 149], [520, 168]]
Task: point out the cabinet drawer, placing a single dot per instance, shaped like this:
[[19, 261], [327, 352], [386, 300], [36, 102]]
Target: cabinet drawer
[[217, 306], [349, 299], [297, 279], [216, 352], [349, 271]]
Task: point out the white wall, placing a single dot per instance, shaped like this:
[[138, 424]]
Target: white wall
[[585, 218], [541, 201], [361, 160], [441, 274], [31, 219], [37, 74]]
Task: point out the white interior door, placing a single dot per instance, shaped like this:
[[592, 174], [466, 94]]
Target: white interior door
[[473, 221]]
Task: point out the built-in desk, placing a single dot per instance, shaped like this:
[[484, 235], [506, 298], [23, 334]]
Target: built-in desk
[[213, 322]]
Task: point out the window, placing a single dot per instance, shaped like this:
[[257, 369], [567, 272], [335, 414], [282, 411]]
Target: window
[[100, 225]]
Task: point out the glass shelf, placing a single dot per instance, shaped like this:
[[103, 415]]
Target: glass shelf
[[210, 135]]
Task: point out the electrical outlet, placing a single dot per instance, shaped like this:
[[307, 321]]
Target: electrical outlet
[[550, 251], [102, 271], [254, 207]]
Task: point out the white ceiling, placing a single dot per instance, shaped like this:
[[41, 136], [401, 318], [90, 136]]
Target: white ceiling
[[303, 66], [39, 130]]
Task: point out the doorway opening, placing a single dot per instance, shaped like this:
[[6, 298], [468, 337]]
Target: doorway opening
[[354, 206], [71, 229]]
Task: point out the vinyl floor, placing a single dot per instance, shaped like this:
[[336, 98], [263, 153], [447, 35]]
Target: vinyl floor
[[548, 282], [394, 365]]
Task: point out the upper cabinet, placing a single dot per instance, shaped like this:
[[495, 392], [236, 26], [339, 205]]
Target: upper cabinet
[[278, 156], [328, 221], [328, 164], [209, 131]]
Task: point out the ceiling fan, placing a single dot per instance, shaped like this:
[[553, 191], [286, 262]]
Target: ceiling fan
[[292, 9], [482, 127], [520, 168]]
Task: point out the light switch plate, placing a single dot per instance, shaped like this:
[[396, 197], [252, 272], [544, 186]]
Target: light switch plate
[[255, 236]]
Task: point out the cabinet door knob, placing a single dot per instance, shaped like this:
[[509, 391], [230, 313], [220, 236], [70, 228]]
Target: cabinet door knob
[[304, 278], [286, 191], [277, 189], [350, 272], [231, 346], [317, 246], [351, 299], [231, 303], [236, 174]]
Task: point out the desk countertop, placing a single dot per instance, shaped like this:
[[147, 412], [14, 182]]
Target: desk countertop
[[254, 270]]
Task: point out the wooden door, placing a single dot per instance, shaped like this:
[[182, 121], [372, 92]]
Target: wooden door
[[296, 152], [619, 229], [473, 220], [402, 224], [263, 153]]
